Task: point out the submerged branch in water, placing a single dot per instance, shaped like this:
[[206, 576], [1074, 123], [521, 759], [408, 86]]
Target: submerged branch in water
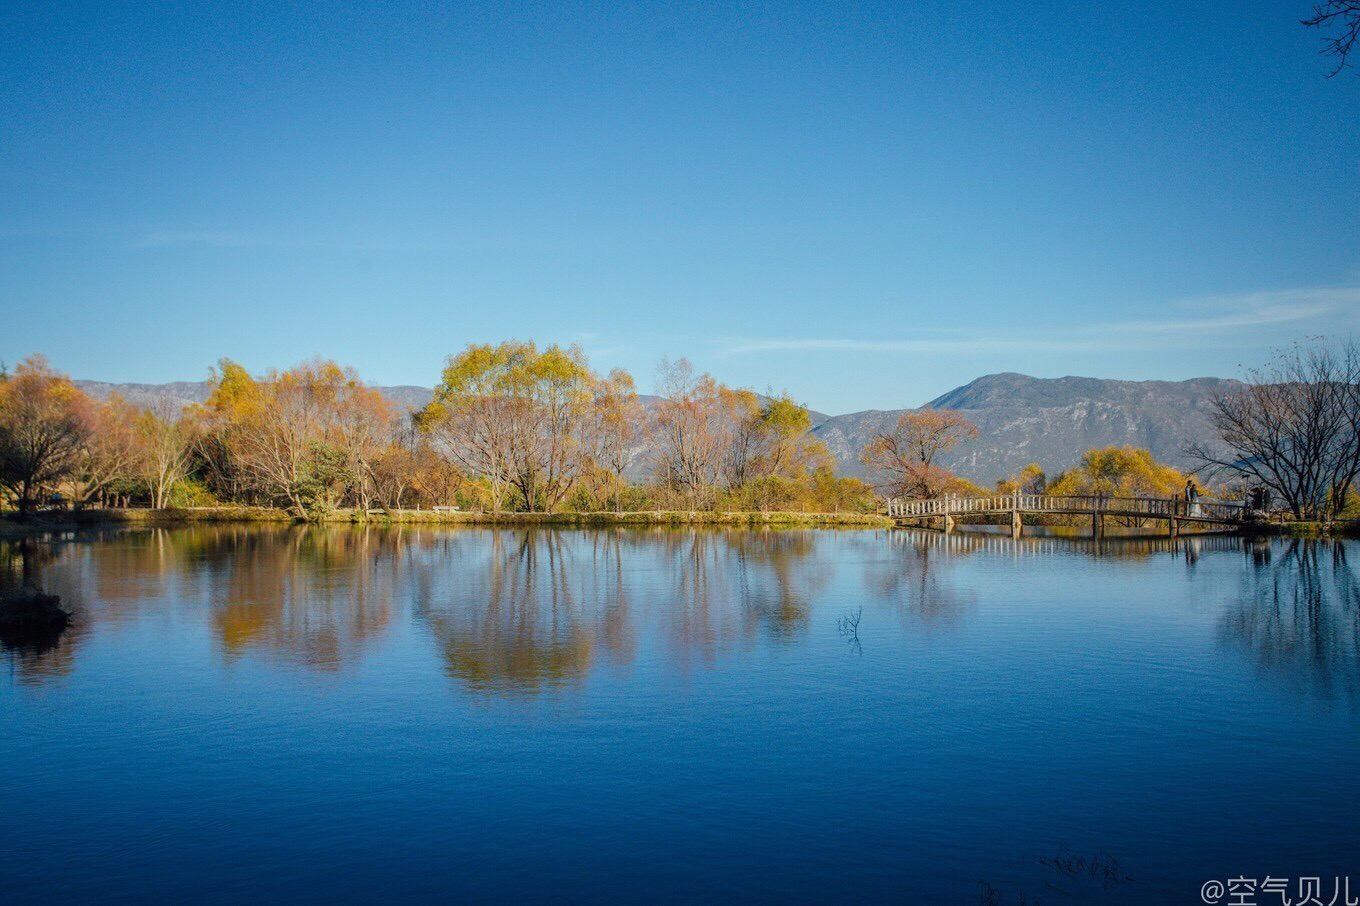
[[848, 627]]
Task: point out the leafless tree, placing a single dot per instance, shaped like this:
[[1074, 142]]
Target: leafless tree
[[1293, 427], [1341, 18], [167, 445]]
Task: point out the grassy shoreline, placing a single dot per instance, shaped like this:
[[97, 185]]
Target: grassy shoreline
[[11, 527], [86, 519]]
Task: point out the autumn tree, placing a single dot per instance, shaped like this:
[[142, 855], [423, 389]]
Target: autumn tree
[[394, 469], [1119, 472], [437, 480], [510, 414], [303, 437], [762, 437], [904, 460], [1029, 480], [234, 394], [769, 452], [688, 430], [784, 445], [838, 494], [266, 427], [615, 430], [742, 435], [470, 418], [559, 391], [510, 424], [363, 428], [112, 451], [45, 423]]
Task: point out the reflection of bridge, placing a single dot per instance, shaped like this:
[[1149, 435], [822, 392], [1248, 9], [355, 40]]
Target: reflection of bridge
[[1175, 511], [1114, 546]]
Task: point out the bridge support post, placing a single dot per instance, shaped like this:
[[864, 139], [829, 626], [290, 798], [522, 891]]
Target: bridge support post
[[948, 524], [1175, 527], [1016, 524], [1097, 525]]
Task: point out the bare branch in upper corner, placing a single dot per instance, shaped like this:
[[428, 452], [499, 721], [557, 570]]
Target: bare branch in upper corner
[[1340, 20]]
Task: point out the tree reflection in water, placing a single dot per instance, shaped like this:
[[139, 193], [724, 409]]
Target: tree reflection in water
[[1298, 615], [525, 610], [733, 586], [310, 597], [316, 597], [918, 578], [508, 609], [779, 578], [535, 609]]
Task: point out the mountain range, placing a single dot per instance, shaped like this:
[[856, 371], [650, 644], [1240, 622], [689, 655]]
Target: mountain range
[[1051, 421], [1020, 419], [182, 393]]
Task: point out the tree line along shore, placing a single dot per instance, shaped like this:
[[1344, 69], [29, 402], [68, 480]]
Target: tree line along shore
[[519, 432], [66, 520]]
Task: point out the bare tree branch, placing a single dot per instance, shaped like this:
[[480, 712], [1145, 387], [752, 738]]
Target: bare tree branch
[[1344, 17], [1293, 427]]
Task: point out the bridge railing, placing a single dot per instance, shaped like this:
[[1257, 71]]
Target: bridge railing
[[1151, 507], [1216, 509]]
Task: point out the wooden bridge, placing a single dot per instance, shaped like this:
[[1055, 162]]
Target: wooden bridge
[[1175, 511]]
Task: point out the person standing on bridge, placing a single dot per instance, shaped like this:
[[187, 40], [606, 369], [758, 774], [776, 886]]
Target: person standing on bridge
[[1192, 497]]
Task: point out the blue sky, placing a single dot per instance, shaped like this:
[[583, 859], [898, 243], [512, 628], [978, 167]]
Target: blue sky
[[865, 204]]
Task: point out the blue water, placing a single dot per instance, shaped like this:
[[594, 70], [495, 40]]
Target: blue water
[[674, 715]]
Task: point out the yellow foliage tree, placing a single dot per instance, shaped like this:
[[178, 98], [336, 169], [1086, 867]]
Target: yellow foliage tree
[[306, 437], [1120, 472], [511, 414], [1029, 480]]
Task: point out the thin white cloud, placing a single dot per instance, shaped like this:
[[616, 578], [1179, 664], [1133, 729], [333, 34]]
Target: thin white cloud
[[1235, 316], [1253, 310], [938, 345]]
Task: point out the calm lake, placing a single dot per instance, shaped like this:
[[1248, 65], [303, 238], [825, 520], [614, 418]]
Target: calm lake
[[680, 715]]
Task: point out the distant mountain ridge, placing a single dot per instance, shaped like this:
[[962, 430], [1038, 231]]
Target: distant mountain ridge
[[1021, 419], [1051, 421], [183, 393]]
